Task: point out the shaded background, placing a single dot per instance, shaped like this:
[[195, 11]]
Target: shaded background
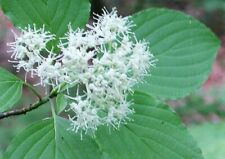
[[202, 111]]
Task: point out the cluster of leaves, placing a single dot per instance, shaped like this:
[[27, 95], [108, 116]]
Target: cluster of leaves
[[185, 50]]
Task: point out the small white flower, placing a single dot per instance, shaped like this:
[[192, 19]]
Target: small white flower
[[76, 62], [109, 25], [85, 116], [118, 115], [26, 50], [49, 70], [141, 60]]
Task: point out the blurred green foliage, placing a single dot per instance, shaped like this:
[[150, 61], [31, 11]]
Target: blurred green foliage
[[196, 104], [205, 103], [211, 139], [212, 5]]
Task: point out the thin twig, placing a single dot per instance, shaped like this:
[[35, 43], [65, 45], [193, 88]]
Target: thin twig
[[24, 110], [41, 101]]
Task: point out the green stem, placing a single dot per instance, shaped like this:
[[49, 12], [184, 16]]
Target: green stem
[[54, 92], [33, 90], [57, 89], [52, 107]]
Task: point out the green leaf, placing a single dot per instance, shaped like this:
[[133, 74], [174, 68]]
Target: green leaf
[[54, 14], [61, 103], [50, 139], [155, 133], [10, 90], [184, 47]]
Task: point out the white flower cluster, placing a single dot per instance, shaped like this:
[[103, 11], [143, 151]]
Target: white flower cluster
[[26, 50], [105, 60]]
